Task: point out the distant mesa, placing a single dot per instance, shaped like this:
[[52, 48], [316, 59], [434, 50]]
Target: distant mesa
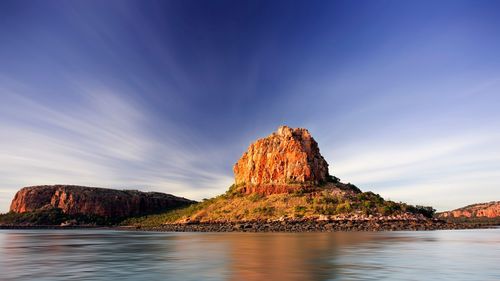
[[284, 161], [81, 200], [481, 210]]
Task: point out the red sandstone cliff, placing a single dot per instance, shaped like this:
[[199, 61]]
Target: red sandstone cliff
[[284, 159], [93, 201], [481, 210]]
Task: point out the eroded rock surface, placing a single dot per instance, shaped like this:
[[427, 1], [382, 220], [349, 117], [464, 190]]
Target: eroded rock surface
[[286, 158]]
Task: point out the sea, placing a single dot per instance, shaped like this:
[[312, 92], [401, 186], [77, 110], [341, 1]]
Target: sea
[[104, 254]]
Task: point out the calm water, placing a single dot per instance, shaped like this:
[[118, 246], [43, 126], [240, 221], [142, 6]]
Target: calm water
[[110, 255]]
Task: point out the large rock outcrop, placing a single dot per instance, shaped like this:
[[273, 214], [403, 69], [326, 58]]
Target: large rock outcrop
[[282, 161], [93, 201], [481, 210]]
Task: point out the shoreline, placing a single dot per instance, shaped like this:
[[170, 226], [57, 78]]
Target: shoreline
[[21, 227], [280, 226], [313, 226]]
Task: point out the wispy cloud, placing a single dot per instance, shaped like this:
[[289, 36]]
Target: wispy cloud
[[98, 139], [115, 94], [443, 172]]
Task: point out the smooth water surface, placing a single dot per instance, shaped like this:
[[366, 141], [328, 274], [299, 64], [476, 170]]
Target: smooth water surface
[[123, 255]]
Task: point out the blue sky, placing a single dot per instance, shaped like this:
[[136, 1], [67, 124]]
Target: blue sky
[[403, 97]]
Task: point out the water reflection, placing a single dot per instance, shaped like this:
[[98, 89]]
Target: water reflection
[[105, 255], [282, 256]]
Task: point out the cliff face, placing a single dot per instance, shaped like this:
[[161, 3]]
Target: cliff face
[[285, 158], [481, 210], [93, 201]]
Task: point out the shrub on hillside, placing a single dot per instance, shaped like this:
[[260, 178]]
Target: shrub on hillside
[[427, 211]]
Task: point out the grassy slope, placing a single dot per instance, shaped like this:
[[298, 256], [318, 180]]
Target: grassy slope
[[333, 199]]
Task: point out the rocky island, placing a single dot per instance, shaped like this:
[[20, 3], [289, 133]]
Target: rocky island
[[282, 183]]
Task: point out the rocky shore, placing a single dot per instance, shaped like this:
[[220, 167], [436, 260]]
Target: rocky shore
[[282, 226], [310, 226]]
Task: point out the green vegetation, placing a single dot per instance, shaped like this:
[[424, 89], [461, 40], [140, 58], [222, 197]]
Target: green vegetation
[[255, 197], [333, 199], [173, 215], [299, 192], [333, 179], [344, 207], [427, 211], [54, 216], [234, 190], [367, 203], [265, 211], [299, 211]]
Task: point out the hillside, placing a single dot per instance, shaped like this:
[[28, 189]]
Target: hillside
[[334, 201], [283, 177]]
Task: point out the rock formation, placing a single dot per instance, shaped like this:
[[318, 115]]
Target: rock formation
[[481, 210], [93, 201], [280, 162]]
